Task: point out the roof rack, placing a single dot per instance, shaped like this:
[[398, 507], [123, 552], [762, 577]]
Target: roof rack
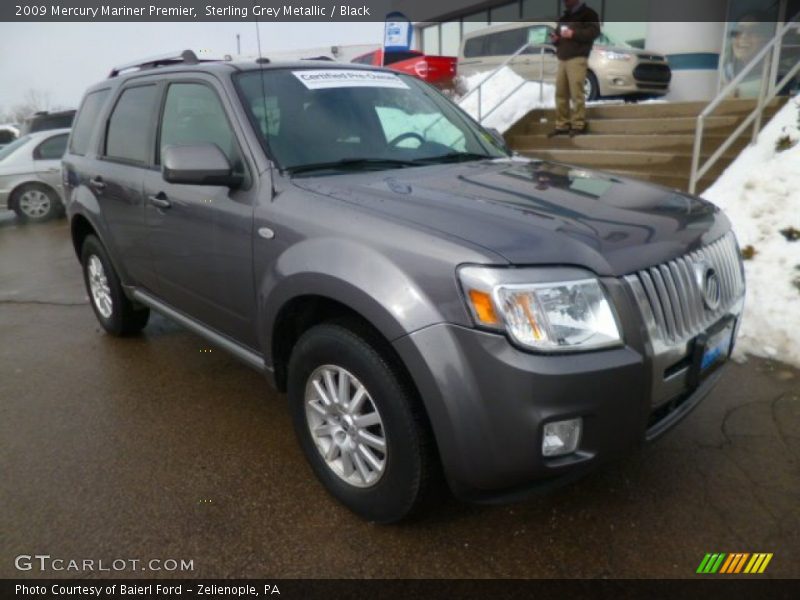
[[187, 57]]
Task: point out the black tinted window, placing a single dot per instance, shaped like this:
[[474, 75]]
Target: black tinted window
[[54, 122], [394, 57], [474, 47], [86, 121], [52, 148], [364, 60], [193, 114], [129, 126], [506, 42]]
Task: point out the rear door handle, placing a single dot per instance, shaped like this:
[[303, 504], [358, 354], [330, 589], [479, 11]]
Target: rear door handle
[[160, 200], [98, 183]]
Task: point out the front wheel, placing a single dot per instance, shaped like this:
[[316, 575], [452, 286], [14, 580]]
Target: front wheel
[[113, 309], [359, 424]]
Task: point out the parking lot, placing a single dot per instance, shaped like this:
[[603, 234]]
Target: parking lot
[[155, 448]]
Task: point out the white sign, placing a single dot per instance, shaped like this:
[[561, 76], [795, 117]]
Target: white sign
[[339, 78], [397, 35]]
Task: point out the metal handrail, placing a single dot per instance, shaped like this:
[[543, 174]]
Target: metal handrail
[[478, 88], [767, 92]]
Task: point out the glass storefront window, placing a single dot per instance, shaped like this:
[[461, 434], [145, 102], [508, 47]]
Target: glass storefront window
[[504, 14], [451, 38], [473, 22], [430, 40], [540, 10]]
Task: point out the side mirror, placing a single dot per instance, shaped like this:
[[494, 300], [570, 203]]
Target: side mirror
[[497, 137], [199, 164]]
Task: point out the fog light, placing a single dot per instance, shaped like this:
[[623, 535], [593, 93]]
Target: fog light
[[561, 437], [619, 81]]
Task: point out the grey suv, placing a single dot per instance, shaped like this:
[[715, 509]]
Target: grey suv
[[436, 308]]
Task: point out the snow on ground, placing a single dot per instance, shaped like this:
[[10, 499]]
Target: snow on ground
[[525, 99], [760, 192]]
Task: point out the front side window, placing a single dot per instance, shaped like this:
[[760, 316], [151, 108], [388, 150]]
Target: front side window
[[7, 151], [338, 115], [128, 136], [193, 114], [52, 148]]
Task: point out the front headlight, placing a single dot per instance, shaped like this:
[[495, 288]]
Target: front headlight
[[611, 55], [566, 315]]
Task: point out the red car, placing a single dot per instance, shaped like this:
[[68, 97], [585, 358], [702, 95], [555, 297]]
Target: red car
[[436, 70]]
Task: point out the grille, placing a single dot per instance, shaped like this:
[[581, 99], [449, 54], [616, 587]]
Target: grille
[[655, 73], [671, 299]]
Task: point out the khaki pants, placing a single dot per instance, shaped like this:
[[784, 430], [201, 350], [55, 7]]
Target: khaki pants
[[569, 86]]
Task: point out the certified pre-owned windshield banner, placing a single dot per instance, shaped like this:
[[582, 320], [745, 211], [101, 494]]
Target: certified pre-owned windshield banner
[[359, 10]]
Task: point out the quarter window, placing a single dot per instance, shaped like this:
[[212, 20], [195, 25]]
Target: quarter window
[[85, 123], [130, 123], [52, 148]]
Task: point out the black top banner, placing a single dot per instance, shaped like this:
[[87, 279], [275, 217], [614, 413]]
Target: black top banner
[[376, 10]]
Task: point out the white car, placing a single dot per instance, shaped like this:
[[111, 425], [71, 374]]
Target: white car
[[30, 175]]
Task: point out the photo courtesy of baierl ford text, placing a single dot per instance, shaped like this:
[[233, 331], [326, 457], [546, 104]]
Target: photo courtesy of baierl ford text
[[467, 298]]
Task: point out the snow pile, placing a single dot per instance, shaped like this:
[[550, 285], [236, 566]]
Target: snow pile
[[525, 99], [760, 192]]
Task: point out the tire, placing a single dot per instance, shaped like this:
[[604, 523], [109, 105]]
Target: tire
[[383, 495], [36, 203], [591, 87], [111, 306]]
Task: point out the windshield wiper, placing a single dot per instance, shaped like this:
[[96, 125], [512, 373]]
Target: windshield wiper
[[353, 163], [453, 157]]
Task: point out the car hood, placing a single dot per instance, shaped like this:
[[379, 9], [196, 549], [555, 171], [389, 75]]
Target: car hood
[[536, 212]]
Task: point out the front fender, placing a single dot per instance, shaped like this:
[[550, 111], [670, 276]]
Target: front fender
[[352, 274]]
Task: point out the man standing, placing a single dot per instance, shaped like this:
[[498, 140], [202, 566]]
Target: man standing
[[577, 29]]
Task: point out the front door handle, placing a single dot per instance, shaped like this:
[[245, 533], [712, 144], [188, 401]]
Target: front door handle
[[160, 200], [97, 183]]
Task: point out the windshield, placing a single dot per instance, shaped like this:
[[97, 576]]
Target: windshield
[[329, 118], [12, 147]]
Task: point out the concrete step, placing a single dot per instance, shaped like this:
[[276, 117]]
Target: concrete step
[[714, 125], [675, 143], [658, 110]]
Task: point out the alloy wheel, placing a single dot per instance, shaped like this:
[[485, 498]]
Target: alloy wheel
[[98, 285]]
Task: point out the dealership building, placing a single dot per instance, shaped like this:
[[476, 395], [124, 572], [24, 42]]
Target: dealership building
[[696, 47]]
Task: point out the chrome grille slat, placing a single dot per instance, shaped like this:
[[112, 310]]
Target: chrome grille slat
[[666, 304], [671, 299]]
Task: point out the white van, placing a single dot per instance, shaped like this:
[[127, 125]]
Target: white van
[[615, 69]]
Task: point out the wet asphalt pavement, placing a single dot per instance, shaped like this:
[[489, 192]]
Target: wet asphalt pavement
[[150, 448]]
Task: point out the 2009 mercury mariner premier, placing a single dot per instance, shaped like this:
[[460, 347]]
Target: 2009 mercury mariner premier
[[433, 305]]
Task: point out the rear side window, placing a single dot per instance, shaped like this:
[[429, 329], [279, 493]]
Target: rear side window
[[129, 127], [364, 60], [87, 119], [395, 57], [474, 47], [504, 43], [52, 122], [52, 148]]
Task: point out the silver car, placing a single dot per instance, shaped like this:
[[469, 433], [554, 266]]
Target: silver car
[[30, 175]]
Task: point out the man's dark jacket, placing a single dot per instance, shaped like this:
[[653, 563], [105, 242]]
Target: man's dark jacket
[[585, 24]]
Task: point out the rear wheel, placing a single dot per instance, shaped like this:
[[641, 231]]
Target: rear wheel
[[36, 203], [113, 309], [360, 426]]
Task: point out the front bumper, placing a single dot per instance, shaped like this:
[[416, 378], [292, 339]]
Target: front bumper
[[488, 402]]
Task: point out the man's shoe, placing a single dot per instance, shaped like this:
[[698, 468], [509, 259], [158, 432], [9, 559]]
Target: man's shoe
[[558, 131]]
